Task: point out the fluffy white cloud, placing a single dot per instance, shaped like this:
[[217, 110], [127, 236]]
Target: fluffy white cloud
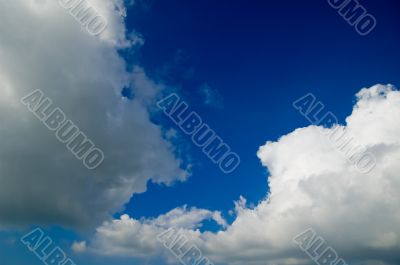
[[137, 238], [41, 182], [311, 185]]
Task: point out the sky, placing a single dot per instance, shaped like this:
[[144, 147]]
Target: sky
[[239, 66]]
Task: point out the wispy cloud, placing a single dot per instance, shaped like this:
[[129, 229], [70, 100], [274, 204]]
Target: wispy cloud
[[211, 96]]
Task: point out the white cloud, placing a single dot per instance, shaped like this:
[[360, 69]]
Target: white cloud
[[188, 219], [79, 246], [311, 185], [137, 238], [41, 182]]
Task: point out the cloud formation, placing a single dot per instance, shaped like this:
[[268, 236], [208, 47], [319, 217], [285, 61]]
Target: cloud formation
[[311, 185], [137, 238], [41, 182]]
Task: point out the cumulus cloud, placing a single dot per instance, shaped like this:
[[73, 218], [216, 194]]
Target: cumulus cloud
[[137, 238], [41, 182], [311, 185]]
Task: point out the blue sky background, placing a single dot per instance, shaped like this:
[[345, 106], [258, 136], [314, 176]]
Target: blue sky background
[[260, 56]]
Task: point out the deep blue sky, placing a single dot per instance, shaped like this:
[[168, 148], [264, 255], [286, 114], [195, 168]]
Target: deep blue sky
[[260, 56]]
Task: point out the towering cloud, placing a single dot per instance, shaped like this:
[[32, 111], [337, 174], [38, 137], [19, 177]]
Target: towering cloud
[[312, 185]]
